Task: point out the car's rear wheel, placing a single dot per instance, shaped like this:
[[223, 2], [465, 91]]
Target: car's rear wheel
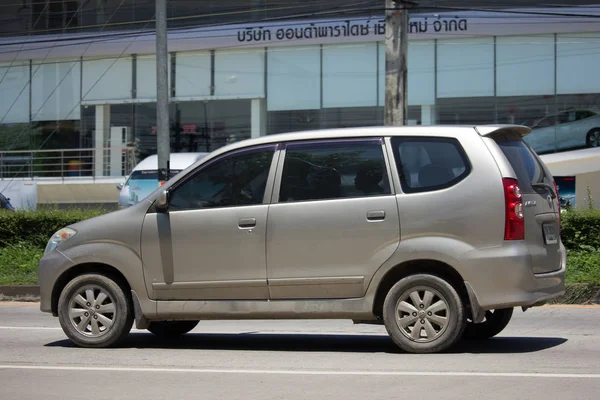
[[494, 322], [593, 138], [95, 311], [171, 328], [424, 314]]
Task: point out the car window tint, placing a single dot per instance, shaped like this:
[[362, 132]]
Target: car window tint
[[584, 114], [549, 121], [426, 164], [522, 159], [237, 180], [333, 170]]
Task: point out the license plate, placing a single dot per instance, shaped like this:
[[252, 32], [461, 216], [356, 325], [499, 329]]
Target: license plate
[[550, 236]]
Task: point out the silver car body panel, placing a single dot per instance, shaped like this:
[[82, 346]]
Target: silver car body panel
[[274, 271]]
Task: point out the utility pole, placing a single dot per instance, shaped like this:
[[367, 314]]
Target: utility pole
[[396, 48], [163, 140]]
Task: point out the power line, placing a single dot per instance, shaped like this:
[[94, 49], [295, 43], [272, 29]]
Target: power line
[[217, 27], [184, 17]]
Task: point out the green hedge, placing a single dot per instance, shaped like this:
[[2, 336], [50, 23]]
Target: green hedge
[[581, 229], [34, 228], [23, 236]]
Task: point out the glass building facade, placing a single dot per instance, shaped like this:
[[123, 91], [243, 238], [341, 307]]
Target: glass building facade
[[233, 82]]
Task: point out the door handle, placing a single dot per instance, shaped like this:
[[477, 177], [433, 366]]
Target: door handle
[[375, 215], [246, 223]]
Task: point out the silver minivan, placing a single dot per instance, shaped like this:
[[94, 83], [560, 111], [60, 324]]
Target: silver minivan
[[436, 232]]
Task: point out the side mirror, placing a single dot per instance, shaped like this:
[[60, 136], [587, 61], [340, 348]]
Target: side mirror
[[162, 203], [120, 186]]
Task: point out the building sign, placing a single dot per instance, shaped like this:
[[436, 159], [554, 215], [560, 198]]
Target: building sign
[[347, 28]]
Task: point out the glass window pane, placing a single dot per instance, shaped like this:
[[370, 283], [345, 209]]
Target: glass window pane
[[107, 79], [350, 75], [55, 91], [192, 74], [240, 73], [146, 77], [525, 65], [14, 86], [577, 60], [294, 78], [465, 67], [237, 180], [429, 164], [338, 170]]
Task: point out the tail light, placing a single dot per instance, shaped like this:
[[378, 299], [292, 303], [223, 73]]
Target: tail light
[[514, 228]]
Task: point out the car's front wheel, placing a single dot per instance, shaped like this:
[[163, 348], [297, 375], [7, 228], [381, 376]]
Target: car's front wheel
[[424, 314], [95, 311], [171, 329], [494, 322]]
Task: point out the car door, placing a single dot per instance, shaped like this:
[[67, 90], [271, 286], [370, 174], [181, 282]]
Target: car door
[[210, 242], [333, 220]]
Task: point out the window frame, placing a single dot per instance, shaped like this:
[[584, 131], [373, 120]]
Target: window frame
[[274, 147], [310, 143], [395, 142]]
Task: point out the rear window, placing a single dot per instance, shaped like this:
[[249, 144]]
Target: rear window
[[522, 159], [427, 164]]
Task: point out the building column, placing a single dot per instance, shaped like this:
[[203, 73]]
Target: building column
[[101, 134], [428, 116], [258, 118]]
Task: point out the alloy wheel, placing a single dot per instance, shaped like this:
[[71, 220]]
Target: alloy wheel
[[422, 314], [92, 311]]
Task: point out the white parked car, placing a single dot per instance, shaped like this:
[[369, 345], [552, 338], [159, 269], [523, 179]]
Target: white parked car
[[144, 177], [565, 130]]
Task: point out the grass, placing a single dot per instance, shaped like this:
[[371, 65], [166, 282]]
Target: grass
[[583, 267], [19, 263]]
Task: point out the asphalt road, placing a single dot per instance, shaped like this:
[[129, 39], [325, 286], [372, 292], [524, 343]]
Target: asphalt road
[[548, 352]]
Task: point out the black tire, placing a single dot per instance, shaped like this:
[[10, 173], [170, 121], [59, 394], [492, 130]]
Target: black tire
[[454, 313], [591, 138], [117, 300], [170, 329], [495, 321]]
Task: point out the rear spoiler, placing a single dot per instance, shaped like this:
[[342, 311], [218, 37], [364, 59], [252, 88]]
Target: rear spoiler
[[488, 130]]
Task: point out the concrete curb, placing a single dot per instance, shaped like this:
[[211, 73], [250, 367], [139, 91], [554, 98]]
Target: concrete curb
[[19, 293], [575, 294]]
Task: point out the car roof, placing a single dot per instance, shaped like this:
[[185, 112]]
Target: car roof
[[177, 161], [372, 131]]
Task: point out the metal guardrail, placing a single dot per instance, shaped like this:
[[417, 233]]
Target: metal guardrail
[[63, 163]]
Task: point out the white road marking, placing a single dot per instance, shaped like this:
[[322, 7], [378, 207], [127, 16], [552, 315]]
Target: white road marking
[[307, 372], [40, 328]]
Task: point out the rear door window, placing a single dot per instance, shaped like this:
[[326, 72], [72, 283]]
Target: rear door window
[[427, 164], [527, 167], [333, 170]]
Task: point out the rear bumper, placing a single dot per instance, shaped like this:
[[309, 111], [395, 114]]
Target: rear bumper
[[503, 277]]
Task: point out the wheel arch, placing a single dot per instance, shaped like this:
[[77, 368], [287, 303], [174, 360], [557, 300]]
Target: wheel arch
[[422, 266], [87, 268]]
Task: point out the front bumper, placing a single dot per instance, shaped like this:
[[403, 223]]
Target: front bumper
[[50, 268]]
